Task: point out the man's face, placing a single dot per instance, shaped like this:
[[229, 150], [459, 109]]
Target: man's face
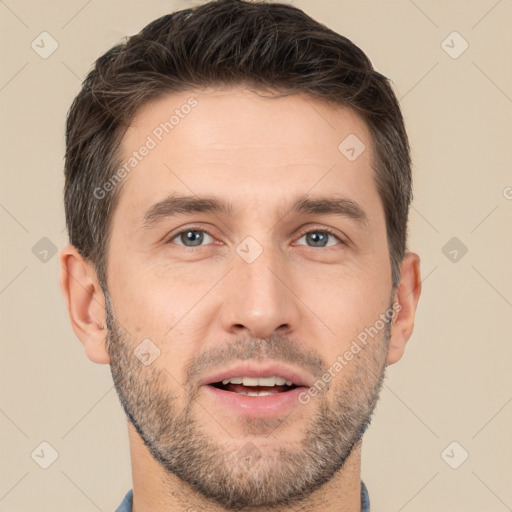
[[259, 284]]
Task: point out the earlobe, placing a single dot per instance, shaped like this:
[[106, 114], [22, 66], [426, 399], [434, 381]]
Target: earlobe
[[407, 296], [85, 303]]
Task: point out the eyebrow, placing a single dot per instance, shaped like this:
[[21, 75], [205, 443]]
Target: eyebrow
[[176, 205], [336, 206]]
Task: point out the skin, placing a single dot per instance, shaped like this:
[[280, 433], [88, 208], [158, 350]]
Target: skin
[[207, 307]]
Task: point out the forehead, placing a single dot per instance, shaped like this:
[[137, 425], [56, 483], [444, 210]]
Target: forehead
[[243, 144]]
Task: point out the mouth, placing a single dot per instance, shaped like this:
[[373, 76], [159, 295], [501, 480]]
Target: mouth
[[257, 391], [253, 386]]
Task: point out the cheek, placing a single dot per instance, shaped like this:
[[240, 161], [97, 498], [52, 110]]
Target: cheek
[[171, 310], [146, 307], [350, 305], [157, 308]]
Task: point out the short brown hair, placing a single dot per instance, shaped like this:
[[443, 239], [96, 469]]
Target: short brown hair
[[265, 46]]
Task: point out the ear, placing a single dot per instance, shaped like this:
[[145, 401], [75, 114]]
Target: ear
[[407, 295], [85, 303]]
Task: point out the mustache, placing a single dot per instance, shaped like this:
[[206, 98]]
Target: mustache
[[275, 347]]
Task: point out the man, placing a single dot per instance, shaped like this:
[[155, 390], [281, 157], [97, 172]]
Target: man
[[237, 191]]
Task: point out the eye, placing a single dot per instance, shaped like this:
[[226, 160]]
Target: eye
[[196, 237], [320, 238], [190, 237]]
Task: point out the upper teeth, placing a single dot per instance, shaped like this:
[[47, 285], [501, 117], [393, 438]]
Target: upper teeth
[[255, 381]]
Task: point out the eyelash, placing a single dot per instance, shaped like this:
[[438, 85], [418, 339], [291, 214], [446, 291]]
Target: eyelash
[[193, 228]]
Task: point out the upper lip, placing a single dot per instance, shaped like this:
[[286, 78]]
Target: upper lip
[[253, 369]]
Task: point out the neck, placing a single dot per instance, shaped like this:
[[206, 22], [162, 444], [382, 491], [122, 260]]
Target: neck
[[155, 490]]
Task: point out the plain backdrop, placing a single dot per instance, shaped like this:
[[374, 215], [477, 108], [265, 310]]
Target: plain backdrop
[[441, 435]]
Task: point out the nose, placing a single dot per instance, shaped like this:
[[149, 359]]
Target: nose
[[259, 299]]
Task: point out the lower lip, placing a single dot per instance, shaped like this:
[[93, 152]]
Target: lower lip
[[256, 406]]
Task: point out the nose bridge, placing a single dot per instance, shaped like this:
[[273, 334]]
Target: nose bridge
[[258, 299]]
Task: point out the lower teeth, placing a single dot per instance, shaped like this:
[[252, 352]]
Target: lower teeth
[[254, 390], [256, 393]]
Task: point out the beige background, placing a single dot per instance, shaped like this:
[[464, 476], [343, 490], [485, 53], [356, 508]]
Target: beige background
[[454, 383]]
